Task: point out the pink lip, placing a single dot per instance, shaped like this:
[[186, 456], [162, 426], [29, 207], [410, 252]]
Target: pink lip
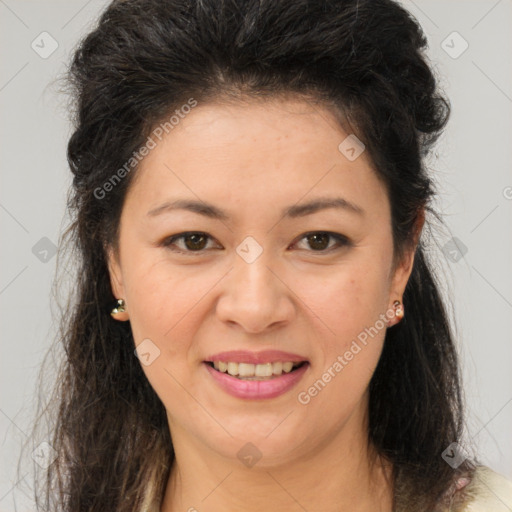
[[266, 356], [257, 389]]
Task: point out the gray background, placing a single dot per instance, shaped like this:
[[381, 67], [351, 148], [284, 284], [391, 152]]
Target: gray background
[[473, 172]]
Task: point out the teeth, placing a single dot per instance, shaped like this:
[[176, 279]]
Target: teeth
[[263, 370], [287, 367], [233, 369], [248, 370], [244, 370]]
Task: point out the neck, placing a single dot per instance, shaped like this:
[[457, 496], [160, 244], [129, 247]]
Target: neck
[[333, 477]]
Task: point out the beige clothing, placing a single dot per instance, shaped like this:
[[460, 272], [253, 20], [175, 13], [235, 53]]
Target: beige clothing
[[488, 491]]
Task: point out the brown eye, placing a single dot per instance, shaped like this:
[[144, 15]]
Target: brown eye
[[195, 241], [190, 242], [319, 241]]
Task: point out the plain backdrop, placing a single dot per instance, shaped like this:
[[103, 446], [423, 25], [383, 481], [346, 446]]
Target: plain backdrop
[[471, 50]]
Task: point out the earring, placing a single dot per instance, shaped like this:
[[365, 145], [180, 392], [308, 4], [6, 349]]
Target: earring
[[120, 307], [399, 309]]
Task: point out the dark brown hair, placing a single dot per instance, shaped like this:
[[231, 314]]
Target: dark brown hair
[[143, 60]]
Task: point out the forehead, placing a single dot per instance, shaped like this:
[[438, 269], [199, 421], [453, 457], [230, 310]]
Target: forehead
[[256, 153]]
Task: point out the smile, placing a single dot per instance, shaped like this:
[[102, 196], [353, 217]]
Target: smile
[[250, 371], [256, 381]]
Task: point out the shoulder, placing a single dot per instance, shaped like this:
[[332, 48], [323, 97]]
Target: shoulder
[[488, 491]]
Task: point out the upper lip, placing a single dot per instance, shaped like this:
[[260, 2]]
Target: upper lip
[[265, 356]]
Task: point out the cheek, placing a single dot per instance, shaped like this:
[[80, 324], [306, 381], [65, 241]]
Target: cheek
[[352, 310], [165, 308], [347, 301], [165, 301]]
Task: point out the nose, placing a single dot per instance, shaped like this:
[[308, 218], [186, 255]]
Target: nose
[[255, 297]]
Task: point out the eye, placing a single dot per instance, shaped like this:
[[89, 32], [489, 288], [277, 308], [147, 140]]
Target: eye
[[197, 241], [319, 240], [193, 241]]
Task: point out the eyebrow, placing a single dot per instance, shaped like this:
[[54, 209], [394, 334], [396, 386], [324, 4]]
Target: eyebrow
[[295, 211]]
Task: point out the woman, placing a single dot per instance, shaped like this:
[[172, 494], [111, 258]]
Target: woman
[[256, 324]]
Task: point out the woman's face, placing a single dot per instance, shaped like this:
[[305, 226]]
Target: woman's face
[[260, 278]]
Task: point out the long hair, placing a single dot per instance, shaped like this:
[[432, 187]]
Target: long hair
[[144, 59]]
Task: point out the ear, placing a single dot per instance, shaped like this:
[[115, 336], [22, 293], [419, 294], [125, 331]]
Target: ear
[[403, 269], [116, 280]]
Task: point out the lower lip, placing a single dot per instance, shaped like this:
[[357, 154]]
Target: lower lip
[[257, 389]]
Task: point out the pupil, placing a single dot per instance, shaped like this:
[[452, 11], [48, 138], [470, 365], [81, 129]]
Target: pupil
[[196, 240], [318, 241]]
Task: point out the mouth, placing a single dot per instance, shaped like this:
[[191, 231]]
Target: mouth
[[256, 372], [253, 375]]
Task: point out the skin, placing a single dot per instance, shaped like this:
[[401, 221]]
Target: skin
[[253, 159]]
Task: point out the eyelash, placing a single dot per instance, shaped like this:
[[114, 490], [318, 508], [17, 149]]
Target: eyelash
[[342, 241]]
